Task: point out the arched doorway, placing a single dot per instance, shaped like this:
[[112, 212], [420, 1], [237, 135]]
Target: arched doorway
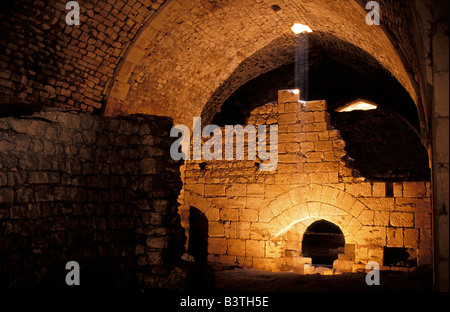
[[323, 241], [198, 235]]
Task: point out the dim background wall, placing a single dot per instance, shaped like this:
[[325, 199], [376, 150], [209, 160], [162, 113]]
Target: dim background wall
[[99, 191]]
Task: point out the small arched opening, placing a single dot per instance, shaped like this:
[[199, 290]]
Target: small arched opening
[[323, 241]]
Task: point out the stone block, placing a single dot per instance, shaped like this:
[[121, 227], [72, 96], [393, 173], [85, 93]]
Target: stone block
[[299, 262], [248, 215], [154, 258], [287, 119], [255, 248], [356, 209], [161, 205], [319, 177], [149, 166], [254, 190], [406, 204], [315, 157], [343, 265], [402, 219], [265, 215], [312, 136], [373, 236], [423, 220], [229, 214], [411, 238], [213, 214], [215, 190], [379, 189], [424, 257], [243, 230], [359, 189], [313, 106], [157, 242], [289, 148], [424, 205], [272, 250], [275, 208], [217, 246], [376, 254], [414, 189], [398, 189], [381, 218], [260, 231], [288, 96], [366, 217], [394, 237], [425, 239], [287, 137], [375, 203], [44, 194], [315, 127], [3, 179], [236, 247], [238, 202], [308, 269], [265, 264], [306, 147], [345, 257], [350, 250], [216, 229], [291, 107], [321, 167], [236, 190]]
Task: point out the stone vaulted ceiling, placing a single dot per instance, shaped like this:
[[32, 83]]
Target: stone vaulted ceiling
[[190, 48]]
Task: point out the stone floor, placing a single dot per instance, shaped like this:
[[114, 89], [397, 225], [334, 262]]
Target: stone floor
[[244, 280]]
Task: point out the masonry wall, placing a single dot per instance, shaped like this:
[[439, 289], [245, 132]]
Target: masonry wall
[[99, 191], [257, 219]]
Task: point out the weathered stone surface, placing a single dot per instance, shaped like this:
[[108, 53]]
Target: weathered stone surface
[[80, 195]]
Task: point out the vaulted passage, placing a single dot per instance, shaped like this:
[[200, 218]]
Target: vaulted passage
[[323, 242]]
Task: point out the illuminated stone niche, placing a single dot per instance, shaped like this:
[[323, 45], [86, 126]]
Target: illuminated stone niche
[[259, 219]]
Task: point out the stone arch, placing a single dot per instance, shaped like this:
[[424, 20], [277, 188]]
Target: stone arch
[[119, 86], [322, 241], [174, 34], [300, 207]]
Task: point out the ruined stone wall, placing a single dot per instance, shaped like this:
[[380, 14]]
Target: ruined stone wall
[[99, 191], [257, 219]]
